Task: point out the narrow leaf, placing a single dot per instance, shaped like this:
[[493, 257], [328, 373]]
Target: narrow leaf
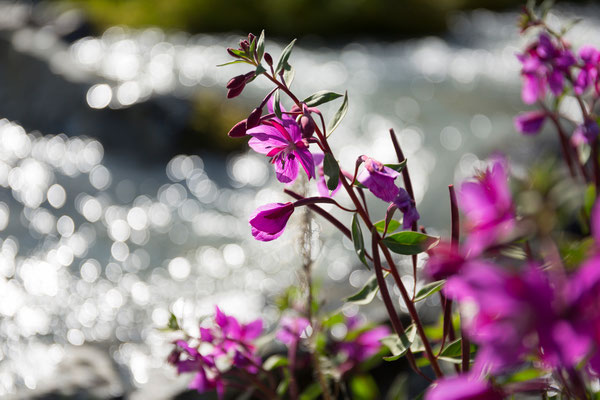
[[312, 392], [288, 75], [331, 169], [259, 70], [367, 293], [285, 56], [275, 361], [397, 167], [429, 289], [252, 48], [339, 115], [392, 226], [453, 349], [399, 345], [410, 243], [357, 239], [321, 97], [260, 46], [589, 199], [232, 62], [277, 104]]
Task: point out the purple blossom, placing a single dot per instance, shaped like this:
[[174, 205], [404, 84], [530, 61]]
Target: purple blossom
[[291, 328], [488, 208], [530, 123], [586, 132], [281, 139], [408, 208], [379, 179], [589, 72], [365, 345], [463, 387], [268, 222], [544, 65], [187, 359], [444, 261]]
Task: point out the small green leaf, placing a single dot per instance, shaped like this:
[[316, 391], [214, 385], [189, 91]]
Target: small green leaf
[[260, 46], [399, 345], [239, 53], [331, 169], [282, 64], [429, 289], [172, 325], [252, 48], [453, 349], [367, 293], [232, 62], [332, 320], [357, 239], [339, 115], [409, 243], [288, 75], [283, 386], [277, 104], [259, 70], [363, 387], [312, 392], [525, 375], [589, 199], [275, 361], [392, 226], [397, 167], [321, 97]]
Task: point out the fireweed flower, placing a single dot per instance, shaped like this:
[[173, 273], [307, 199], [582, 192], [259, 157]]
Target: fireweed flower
[[379, 179], [281, 139], [358, 347], [586, 132], [268, 222], [463, 387], [291, 329], [187, 359], [544, 65], [589, 72], [488, 208], [444, 261], [407, 206], [530, 123]]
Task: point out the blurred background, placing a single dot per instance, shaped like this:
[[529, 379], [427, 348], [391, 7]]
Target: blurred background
[[122, 199]]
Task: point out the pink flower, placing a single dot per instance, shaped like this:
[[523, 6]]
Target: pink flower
[[407, 206], [268, 222], [589, 72], [462, 387], [488, 208], [444, 261], [530, 123], [586, 132], [291, 328], [281, 139], [379, 179]]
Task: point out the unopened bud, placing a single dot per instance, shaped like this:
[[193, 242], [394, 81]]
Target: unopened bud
[[307, 126], [234, 92], [268, 59], [295, 109], [238, 130], [254, 118], [236, 81], [251, 37], [245, 45], [231, 53]]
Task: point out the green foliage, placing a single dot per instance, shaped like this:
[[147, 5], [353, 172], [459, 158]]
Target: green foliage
[[409, 243], [399, 345], [357, 239], [363, 387], [429, 289], [331, 169]]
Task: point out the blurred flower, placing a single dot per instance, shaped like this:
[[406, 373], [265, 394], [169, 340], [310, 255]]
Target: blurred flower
[[269, 221], [187, 359], [379, 179], [588, 73], [462, 387], [361, 346], [408, 208], [291, 328], [488, 208], [586, 132], [444, 261], [530, 122]]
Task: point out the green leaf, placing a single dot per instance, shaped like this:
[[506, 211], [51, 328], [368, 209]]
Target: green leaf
[[288, 75], [399, 345], [259, 70], [260, 46], [312, 392], [275, 361], [282, 64], [339, 115], [367, 293], [397, 167], [252, 48], [239, 53], [232, 62], [525, 375], [321, 97], [363, 387], [589, 199], [331, 169], [333, 319], [277, 104], [453, 349], [283, 386], [172, 325], [392, 226], [409, 243], [429, 289], [357, 239]]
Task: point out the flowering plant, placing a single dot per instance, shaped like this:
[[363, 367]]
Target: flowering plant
[[520, 304]]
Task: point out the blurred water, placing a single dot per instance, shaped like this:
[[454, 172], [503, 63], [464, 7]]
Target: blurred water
[[98, 250]]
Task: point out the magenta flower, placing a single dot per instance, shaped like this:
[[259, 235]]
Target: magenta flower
[[589, 72], [530, 123], [463, 387], [444, 261], [187, 359], [268, 222], [408, 208], [488, 208], [281, 139], [379, 179], [586, 132], [291, 328], [363, 346], [544, 65], [233, 334]]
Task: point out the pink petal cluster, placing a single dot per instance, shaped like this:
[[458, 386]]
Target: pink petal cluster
[[379, 179], [589, 71], [463, 387], [268, 222]]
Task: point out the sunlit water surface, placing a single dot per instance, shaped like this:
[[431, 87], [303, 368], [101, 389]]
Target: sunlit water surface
[[97, 251]]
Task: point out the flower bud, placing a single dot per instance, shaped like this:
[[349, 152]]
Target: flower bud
[[244, 45], [254, 118], [251, 37], [236, 82], [231, 93], [268, 59], [238, 130], [530, 123], [307, 126], [231, 53]]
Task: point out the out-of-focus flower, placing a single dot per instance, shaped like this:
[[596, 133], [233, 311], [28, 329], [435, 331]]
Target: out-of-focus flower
[[379, 179], [291, 328], [530, 123], [444, 261], [586, 132], [281, 139], [488, 208], [408, 208], [544, 65], [463, 387], [187, 359], [589, 72], [268, 222], [364, 345]]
